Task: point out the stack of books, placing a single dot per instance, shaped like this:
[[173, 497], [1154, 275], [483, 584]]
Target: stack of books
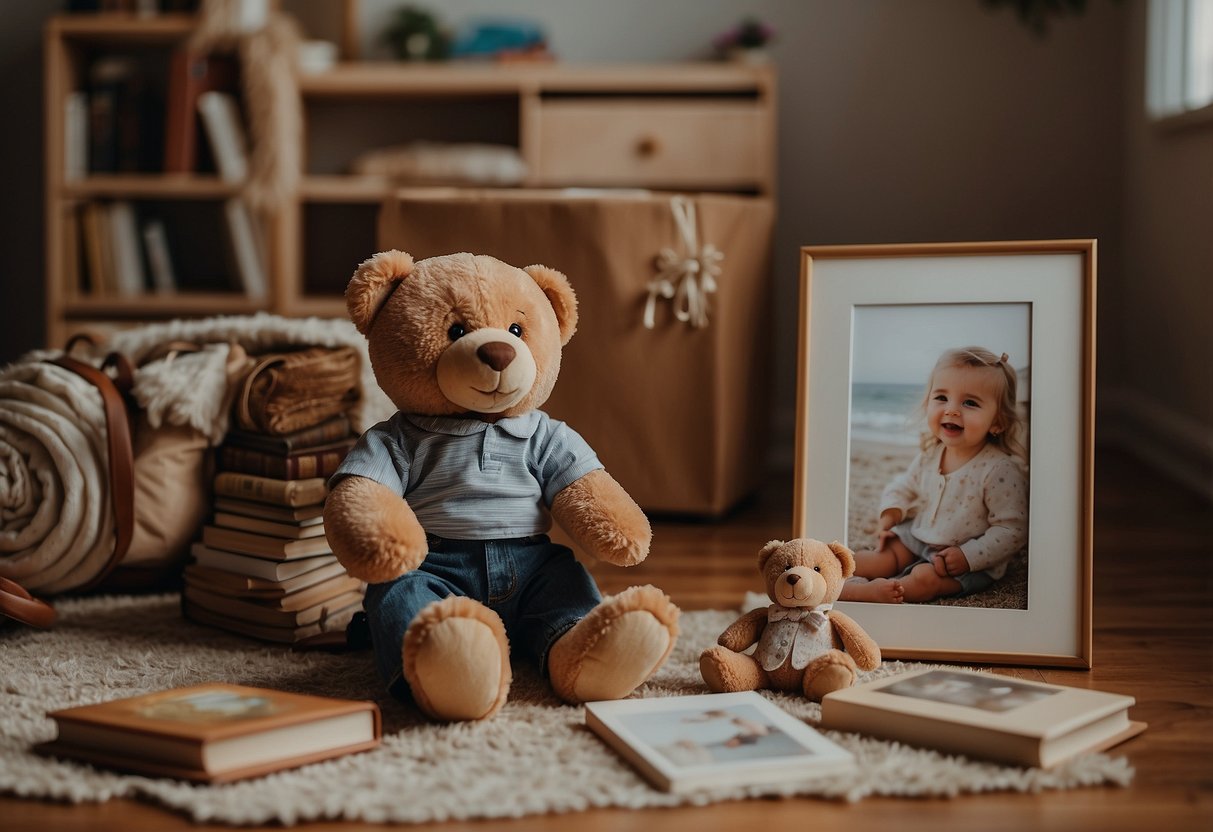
[[264, 567]]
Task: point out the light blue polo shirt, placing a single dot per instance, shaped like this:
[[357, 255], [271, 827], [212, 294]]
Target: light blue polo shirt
[[470, 480]]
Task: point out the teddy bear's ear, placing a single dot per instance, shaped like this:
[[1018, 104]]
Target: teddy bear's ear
[[766, 553], [372, 283], [560, 294], [845, 556]]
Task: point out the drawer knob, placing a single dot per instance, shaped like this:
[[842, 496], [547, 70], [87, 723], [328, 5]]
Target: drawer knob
[[647, 147]]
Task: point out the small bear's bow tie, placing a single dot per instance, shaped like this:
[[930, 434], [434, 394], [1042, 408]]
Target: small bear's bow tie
[[814, 617]]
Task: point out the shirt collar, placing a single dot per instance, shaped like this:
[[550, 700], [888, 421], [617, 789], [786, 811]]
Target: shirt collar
[[520, 427]]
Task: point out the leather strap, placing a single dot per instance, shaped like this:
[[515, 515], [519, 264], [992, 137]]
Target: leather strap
[[19, 605], [121, 454]]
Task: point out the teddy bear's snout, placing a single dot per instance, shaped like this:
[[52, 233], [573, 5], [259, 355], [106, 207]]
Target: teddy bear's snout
[[497, 354]]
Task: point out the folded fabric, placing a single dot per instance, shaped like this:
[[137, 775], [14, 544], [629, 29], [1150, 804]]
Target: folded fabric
[[56, 519], [292, 391]]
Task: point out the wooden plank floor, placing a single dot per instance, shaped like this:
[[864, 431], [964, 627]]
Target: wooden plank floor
[[1153, 640]]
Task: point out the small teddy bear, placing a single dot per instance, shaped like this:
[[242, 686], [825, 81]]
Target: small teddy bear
[[443, 509], [801, 640]]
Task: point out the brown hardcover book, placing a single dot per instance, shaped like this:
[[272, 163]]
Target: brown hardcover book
[[320, 461], [324, 433], [263, 546], [214, 732], [334, 623], [251, 566], [245, 586], [270, 613], [265, 511], [294, 531], [190, 74], [279, 492], [983, 715]]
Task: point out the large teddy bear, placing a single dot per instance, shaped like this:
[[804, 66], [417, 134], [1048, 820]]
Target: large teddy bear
[[804, 645], [443, 509]]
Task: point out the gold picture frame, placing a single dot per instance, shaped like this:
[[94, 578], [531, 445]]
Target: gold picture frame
[[878, 312]]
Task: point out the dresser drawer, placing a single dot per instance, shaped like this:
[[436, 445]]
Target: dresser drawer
[[651, 143]]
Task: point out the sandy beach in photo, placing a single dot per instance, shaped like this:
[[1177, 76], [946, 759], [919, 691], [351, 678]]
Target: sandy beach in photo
[[873, 465]]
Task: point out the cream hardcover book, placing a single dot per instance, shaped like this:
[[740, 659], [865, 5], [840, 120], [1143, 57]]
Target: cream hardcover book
[[983, 715], [214, 732], [684, 743]]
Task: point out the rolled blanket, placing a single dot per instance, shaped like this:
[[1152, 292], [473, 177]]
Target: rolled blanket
[[56, 520]]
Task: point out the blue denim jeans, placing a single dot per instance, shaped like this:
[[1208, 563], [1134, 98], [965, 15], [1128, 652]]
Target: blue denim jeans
[[536, 586]]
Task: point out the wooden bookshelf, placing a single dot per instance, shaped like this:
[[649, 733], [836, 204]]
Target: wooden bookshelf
[[692, 126]]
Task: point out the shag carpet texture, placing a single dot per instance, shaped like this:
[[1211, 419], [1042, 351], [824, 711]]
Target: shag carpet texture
[[534, 757]]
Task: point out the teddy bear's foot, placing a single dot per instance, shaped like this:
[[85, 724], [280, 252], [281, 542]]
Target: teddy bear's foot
[[833, 671], [726, 671], [457, 660], [614, 649]]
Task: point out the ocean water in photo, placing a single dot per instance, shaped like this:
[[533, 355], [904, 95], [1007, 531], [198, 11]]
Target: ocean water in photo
[[886, 412]]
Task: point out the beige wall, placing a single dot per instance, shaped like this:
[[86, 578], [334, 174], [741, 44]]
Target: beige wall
[[1160, 386]]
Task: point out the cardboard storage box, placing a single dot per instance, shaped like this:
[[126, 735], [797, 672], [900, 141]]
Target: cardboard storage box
[[677, 412]]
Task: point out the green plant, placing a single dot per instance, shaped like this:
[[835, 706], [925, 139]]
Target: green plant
[[415, 35]]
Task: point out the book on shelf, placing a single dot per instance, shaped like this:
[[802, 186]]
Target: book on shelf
[[274, 612], [159, 259], [279, 492], [328, 431], [685, 743], [265, 511], [214, 732], [127, 250], [98, 254], [983, 715], [334, 623], [247, 248], [190, 75], [296, 531], [305, 463], [252, 566], [225, 131], [75, 135], [263, 545], [236, 585]]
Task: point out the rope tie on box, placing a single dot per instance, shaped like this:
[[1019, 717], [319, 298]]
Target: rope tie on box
[[687, 278]]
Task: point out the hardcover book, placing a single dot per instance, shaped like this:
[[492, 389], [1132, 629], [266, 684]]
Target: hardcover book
[[254, 567], [263, 546], [294, 530], [684, 743], [320, 461], [335, 622], [983, 715], [265, 511], [214, 733], [330, 430], [279, 492], [235, 585], [278, 612]]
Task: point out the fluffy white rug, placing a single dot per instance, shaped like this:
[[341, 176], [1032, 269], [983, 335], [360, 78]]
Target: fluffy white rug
[[535, 757]]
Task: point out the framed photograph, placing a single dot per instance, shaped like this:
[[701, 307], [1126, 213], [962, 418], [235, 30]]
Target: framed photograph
[[945, 434], [684, 743]]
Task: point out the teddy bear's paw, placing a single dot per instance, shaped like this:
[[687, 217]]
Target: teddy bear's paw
[[725, 671], [833, 671], [614, 649], [457, 661]]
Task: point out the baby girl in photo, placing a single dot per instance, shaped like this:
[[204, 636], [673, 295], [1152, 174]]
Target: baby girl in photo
[[953, 520]]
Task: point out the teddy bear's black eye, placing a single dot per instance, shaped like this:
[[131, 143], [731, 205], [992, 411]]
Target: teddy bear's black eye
[[516, 330], [456, 332], [816, 568]]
